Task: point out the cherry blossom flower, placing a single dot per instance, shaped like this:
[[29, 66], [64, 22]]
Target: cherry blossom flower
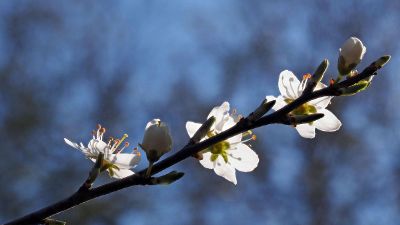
[[117, 163], [230, 155], [291, 88]]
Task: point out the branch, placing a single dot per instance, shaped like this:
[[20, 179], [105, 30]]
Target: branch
[[245, 124]]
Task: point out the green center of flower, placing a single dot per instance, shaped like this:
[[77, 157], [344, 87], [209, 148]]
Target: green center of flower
[[304, 109], [219, 149]]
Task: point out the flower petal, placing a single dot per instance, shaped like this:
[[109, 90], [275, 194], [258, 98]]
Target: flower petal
[[122, 173], [220, 113], [225, 170], [206, 161], [123, 160], [321, 103], [152, 122], [243, 158], [82, 148], [328, 123], [192, 127], [279, 102], [306, 130], [228, 124], [288, 85]]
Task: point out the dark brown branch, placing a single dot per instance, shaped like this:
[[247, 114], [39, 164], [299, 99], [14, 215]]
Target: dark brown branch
[[243, 125]]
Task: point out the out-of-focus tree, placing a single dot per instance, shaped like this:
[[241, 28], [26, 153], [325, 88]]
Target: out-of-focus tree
[[65, 66]]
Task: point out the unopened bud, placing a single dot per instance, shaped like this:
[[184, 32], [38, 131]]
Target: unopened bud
[[350, 55], [53, 222], [263, 108], [300, 119], [157, 140], [317, 76], [168, 178], [355, 88], [382, 61], [203, 130]]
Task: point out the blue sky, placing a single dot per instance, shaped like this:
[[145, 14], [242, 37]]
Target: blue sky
[[66, 66]]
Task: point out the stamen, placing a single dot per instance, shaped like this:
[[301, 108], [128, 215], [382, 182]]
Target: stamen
[[102, 131], [247, 133], [122, 149], [98, 130], [136, 151], [252, 138], [306, 76], [237, 158], [110, 139], [118, 142], [331, 82]]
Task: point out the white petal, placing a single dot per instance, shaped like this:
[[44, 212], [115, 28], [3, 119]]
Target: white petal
[[122, 173], [96, 146], [328, 123], [321, 103], [243, 158], [152, 122], [206, 161], [288, 84], [72, 144], [279, 102], [270, 98], [228, 124], [220, 113], [306, 130], [123, 160], [225, 170], [192, 127], [82, 148]]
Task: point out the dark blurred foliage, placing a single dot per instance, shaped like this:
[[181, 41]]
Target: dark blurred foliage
[[67, 65]]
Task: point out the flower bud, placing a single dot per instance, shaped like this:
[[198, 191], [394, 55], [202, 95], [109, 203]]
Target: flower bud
[[350, 54], [157, 140]]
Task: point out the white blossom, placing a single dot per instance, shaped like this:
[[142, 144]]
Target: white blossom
[[230, 155], [291, 88], [121, 162]]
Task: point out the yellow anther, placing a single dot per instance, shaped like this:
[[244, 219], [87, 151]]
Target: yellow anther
[[124, 137], [254, 137]]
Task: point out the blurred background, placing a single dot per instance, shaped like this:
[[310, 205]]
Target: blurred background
[[66, 66]]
